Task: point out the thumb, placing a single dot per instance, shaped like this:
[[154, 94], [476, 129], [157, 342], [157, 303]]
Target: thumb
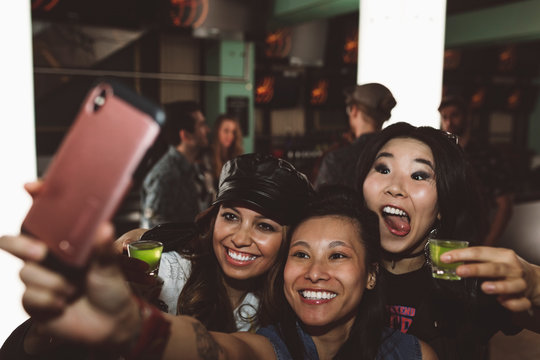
[[34, 188], [104, 234], [106, 287]]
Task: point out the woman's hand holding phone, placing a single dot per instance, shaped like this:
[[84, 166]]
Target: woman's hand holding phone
[[106, 305]]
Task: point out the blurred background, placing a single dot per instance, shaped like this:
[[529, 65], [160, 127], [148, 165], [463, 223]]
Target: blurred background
[[280, 66]]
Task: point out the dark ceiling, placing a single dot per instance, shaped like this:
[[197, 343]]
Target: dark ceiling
[[142, 13], [459, 6], [127, 13], [118, 13]]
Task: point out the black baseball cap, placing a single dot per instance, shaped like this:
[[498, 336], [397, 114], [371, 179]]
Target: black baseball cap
[[269, 185]]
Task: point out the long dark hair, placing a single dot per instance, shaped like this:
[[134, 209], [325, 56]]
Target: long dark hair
[[460, 201], [204, 295], [461, 206], [366, 333], [263, 183]]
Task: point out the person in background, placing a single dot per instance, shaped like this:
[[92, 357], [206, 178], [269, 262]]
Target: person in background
[[329, 286], [226, 142], [493, 172], [368, 107], [174, 189], [420, 185]]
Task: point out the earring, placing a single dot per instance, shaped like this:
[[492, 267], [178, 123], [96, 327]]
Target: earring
[[432, 235], [372, 280]]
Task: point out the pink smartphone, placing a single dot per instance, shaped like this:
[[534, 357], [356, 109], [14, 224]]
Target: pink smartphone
[[92, 170]]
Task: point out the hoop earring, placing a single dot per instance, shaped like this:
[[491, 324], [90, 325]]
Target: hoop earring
[[431, 235], [372, 281]]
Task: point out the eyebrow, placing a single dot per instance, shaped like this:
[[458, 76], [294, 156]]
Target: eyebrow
[[419, 160], [300, 243], [260, 216], [332, 245], [337, 243], [424, 161], [384, 154], [230, 208]]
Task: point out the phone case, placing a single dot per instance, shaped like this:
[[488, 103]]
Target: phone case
[[92, 170]]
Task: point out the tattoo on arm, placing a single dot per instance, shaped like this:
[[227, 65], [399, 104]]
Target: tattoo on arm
[[207, 347]]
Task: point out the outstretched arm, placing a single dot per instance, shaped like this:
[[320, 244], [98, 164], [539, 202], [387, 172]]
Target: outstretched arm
[[514, 281], [191, 339], [106, 315]]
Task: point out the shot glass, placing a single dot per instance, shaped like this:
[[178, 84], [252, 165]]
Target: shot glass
[[148, 251], [440, 270]]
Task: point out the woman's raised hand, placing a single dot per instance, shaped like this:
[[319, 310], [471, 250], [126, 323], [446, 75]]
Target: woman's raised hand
[[514, 281], [120, 244], [106, 307]]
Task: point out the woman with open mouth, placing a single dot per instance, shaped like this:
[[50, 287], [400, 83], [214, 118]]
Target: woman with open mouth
[[417, 180], [325, 290]]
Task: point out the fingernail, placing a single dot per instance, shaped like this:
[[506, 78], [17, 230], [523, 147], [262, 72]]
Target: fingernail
[[446, 257], [37, 251], [489, 287], [463, 271]]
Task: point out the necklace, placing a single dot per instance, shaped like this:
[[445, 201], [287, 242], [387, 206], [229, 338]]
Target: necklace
[[401, 257]]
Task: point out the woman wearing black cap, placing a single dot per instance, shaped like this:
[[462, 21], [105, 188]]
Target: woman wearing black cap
[[218, 276]]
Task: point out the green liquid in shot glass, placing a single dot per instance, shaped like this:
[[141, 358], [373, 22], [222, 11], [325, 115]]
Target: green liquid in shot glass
[[147, 251], [440, 270]]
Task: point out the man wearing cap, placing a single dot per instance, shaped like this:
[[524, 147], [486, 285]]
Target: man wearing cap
[[368, 107], [492, 171], [174, 190]]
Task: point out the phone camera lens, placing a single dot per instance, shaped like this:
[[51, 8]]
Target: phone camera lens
[[99, 100]]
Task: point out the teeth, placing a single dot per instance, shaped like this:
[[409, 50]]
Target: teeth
[[317, 295], [240, 257], [393, 211]]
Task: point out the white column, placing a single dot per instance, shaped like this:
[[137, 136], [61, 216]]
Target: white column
[[401, 45], [17, 149]]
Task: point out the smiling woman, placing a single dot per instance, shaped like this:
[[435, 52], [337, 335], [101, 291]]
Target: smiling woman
[[331, 306], [246, 243], [240, 237], [325, 269]]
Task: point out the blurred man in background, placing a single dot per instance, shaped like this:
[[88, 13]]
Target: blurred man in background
[[368, 106], [493, 172], [174, 189]]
